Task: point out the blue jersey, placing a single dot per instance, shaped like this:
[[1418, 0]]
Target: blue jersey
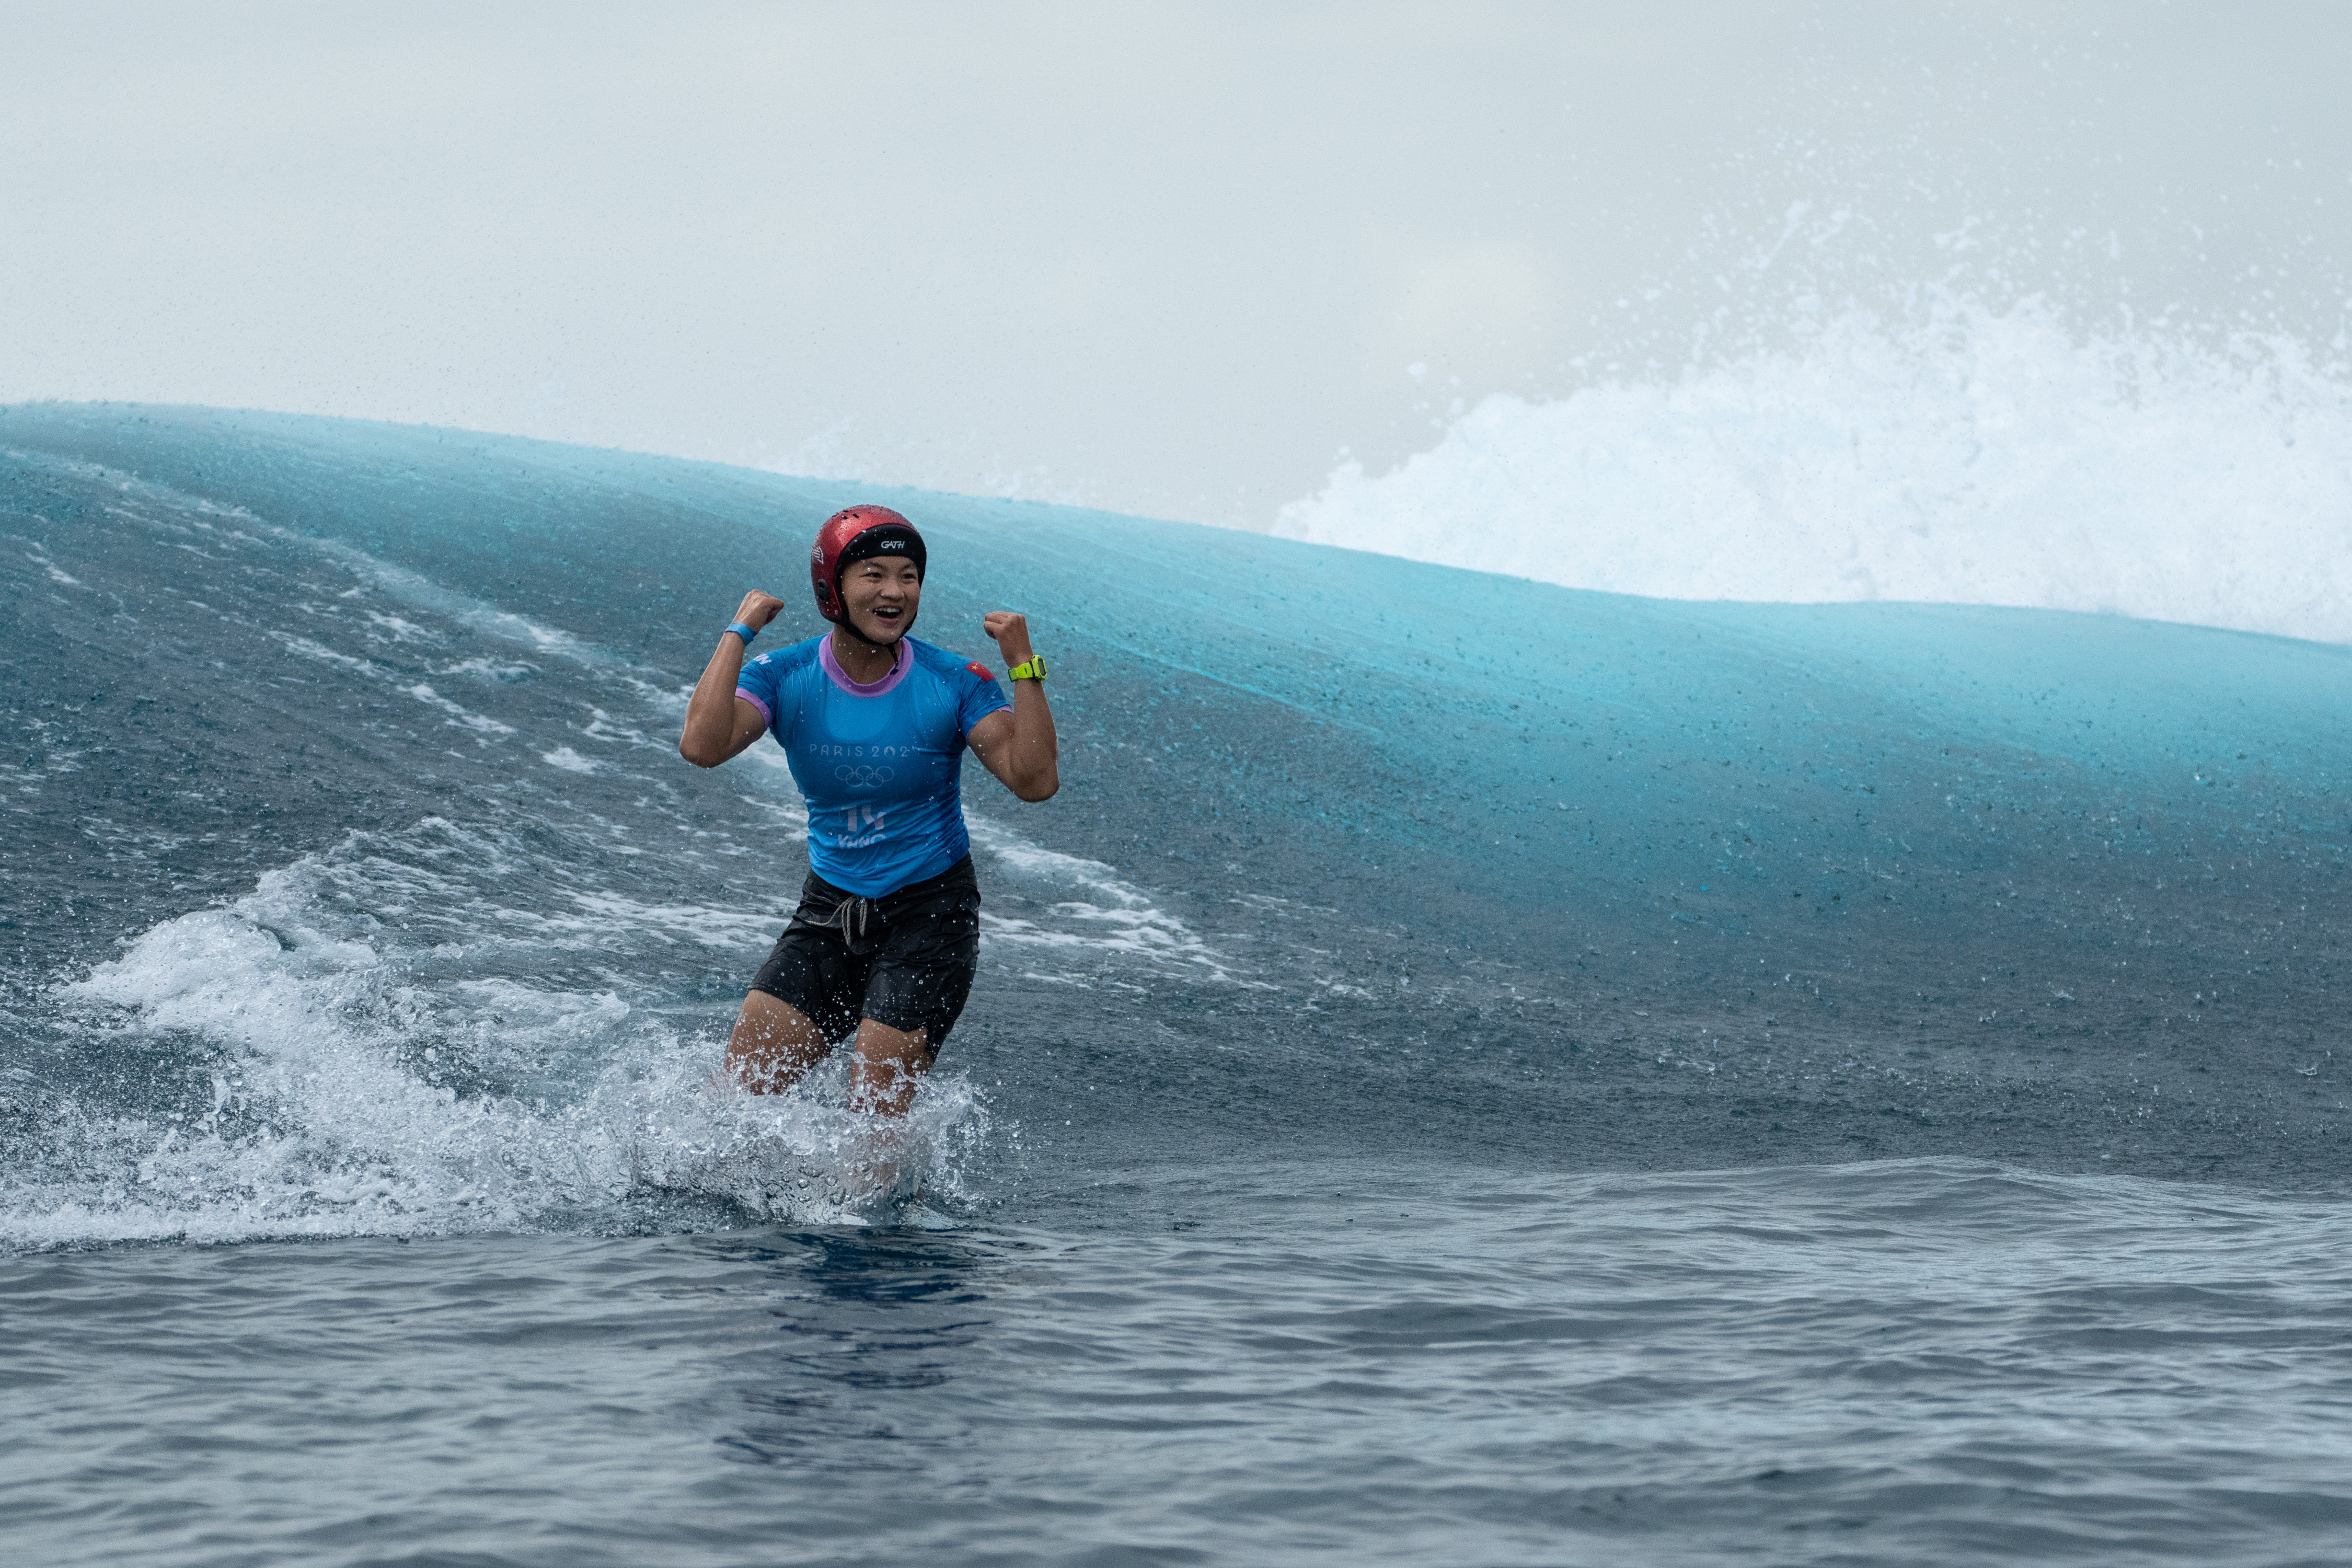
[[881, 765]]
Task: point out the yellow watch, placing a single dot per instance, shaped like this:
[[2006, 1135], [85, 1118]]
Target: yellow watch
[[1031, 669]]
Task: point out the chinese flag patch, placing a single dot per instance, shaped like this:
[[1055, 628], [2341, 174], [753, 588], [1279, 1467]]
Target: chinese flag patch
[[981, 669]]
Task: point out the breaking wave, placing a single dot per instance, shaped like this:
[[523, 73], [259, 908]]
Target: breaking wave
[[1958, 454]]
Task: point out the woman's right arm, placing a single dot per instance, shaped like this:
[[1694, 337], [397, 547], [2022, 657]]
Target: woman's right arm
[[718, 723]]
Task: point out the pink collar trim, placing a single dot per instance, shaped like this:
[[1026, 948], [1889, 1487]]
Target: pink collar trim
[[841, 677]]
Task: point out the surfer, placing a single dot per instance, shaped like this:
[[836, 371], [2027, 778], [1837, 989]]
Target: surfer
[[874, 724]]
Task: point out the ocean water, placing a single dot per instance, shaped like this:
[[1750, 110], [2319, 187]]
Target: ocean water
[[1468, 1071], [1935, 447]]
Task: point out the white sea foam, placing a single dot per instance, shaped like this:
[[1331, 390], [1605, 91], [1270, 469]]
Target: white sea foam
[[1085, 908], [461, 718], [319, 651], [1961, 456], [723, 929], [57, 574], [382, 1057], [398, 629], [500, 669], [415, 588]]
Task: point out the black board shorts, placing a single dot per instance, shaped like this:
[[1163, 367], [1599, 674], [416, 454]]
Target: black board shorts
[[904, 959]]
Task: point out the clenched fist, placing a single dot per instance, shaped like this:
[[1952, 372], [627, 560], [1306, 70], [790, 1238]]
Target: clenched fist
[[758, 610], [1011, 631]]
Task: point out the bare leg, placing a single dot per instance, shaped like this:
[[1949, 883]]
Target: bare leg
[[773, 1045], [889, 1068]]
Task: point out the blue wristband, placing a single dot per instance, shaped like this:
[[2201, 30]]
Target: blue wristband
[[741, 630]]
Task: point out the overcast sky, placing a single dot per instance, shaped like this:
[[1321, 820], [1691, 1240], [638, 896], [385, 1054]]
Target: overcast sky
[[1163, 258]]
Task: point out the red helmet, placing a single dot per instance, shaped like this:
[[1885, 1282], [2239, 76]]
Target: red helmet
[[853, 534]]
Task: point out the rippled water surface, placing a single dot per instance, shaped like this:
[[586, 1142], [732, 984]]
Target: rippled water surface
[[1673, 1084], [1884, 1364]]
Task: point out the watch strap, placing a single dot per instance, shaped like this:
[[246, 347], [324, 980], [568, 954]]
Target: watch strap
[[1030, 668], [741, 630]]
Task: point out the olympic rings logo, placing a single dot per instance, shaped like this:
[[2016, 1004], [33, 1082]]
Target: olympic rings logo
[[865, 778]]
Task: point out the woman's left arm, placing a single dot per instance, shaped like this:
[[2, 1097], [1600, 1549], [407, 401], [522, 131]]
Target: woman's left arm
[[1020, 747]]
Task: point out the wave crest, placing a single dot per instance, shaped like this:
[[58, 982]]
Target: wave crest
[[1959, 455]]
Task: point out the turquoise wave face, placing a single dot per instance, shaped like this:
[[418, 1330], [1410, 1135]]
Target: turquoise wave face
[[354, 873]]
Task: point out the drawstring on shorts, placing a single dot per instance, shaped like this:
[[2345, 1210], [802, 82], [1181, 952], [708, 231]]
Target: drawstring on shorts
[[853, 915]]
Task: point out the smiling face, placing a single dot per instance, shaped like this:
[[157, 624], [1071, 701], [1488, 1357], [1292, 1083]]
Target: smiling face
[[879, 597]]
